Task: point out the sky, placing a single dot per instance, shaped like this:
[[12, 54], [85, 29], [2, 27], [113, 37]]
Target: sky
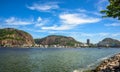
[[80, 19]]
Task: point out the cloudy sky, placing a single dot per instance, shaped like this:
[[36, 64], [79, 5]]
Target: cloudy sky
[[80, 19]]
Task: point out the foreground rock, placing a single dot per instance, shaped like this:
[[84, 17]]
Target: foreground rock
[[110, 65], [10, 37]]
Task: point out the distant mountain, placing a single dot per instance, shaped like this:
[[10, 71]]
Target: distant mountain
[[13, 37], [57, 40], [109, 42]]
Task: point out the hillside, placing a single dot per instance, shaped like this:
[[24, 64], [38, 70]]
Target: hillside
[[109, 42], [13, 37], [57, 40]]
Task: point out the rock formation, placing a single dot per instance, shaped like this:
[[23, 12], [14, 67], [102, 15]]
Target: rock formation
[[110, 65], [14, 38]]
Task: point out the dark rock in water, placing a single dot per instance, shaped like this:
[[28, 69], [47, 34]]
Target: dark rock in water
[[15, 38], [110, 65]]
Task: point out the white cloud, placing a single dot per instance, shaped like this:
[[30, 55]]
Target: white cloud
[[81, 10], [102, 34], [88, 35], [40, 22], [17, 21], [39, 19], [97, 13], [43, 7], [101, 5], [77, 19], [69, 21], [116, 34], [113, 24], [55, 27], [8, 26], [13, 21]]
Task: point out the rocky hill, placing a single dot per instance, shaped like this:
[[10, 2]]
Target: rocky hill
[[57, 40], [12, 37], [109, 42]]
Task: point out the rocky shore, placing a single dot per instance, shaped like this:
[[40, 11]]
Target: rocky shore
[[109, 65]]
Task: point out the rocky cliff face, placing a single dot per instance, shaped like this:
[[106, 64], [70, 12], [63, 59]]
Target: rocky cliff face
[[109, 42], [13, 37], [56, 39]]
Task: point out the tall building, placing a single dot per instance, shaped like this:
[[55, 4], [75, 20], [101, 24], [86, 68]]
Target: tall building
[[88, 41]]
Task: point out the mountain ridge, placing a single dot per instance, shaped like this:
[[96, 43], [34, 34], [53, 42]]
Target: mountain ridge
[[14, 37], [57, 40]]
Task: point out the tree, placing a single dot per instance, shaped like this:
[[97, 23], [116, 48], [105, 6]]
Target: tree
[[113, 9]]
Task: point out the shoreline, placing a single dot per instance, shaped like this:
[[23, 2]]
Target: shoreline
[[111, 64], [62, 47]]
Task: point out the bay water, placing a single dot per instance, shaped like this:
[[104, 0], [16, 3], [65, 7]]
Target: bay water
[[52, 59]]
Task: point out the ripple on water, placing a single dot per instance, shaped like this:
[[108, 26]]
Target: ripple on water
[[52, 60]]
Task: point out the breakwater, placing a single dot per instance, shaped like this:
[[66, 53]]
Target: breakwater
[[111, 64]]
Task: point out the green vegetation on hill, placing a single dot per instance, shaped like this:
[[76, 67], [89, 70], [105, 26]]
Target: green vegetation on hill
[[11, 36], [57, 40], [7, 34], [109, 42]]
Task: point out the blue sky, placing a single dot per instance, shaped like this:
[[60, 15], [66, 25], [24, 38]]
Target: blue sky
[[80, 19]]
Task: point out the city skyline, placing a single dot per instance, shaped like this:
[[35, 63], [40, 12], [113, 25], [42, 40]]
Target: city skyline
[[80, 19]]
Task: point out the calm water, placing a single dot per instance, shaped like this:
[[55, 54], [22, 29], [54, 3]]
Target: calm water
[[51, 60]]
